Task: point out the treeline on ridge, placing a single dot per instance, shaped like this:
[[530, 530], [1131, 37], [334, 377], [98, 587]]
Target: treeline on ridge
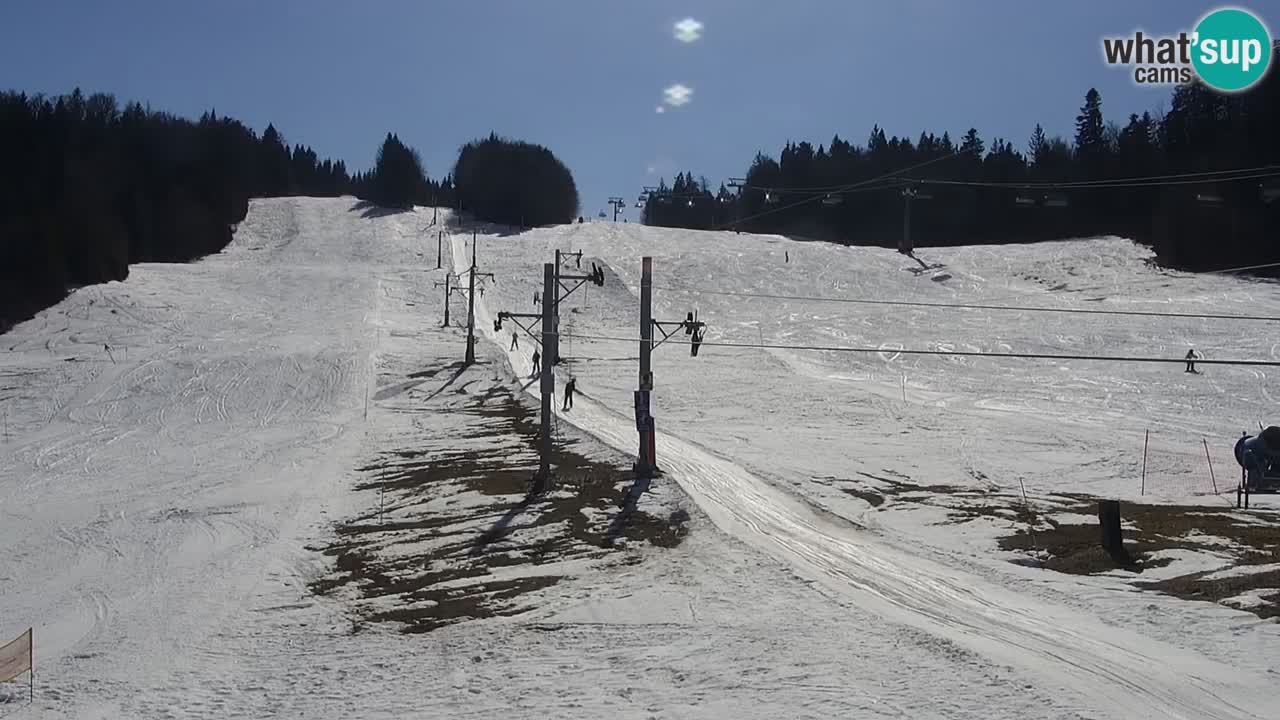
[[88, 187], [979, 193]]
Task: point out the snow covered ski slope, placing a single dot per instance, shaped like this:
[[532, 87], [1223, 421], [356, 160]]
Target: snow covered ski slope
[[734, 417], [173, 444], [1078, 425]]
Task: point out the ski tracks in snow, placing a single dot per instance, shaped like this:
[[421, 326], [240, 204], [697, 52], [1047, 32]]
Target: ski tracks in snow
[[1113, 670], [1129, 674]]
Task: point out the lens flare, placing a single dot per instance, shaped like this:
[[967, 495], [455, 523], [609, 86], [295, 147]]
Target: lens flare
[[688, 30], [677, 95]]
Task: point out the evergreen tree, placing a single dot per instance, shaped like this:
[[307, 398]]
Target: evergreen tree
[[397, 179], [514, 182], [1091, 143], [1037, 145], [274, 171]]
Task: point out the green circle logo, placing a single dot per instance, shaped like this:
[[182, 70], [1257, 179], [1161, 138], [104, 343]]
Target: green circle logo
[[1231, 49]]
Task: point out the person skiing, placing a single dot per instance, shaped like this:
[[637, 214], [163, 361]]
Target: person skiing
[[1191, 358], [536, 359], [787, 255], [535, 297], [515, 341], [569, 387]]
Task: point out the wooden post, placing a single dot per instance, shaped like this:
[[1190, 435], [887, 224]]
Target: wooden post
[[1145, 443], [1112, 539], [1212, 479]]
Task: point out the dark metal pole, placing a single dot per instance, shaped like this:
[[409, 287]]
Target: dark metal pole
[[555, 308], [548, 380], [471, 306], [906, 248], [439, 249], [645, 465]]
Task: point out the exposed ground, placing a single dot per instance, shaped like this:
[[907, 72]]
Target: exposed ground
[[1244, 543], [456, 534]]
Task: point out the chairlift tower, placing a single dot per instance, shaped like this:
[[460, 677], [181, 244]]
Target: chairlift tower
[[909, 193], [646, 461], [619, 205]]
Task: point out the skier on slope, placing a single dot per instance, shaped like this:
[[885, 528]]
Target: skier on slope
[[569, 387], [1191, 358], [536, 359], [515, 341]]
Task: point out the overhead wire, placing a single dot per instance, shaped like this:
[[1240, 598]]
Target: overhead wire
[[862, 183], [1134, 283], [975, 306], [1206, 176], [894, 179], [887, 305], [1097, 185], [951, 353]]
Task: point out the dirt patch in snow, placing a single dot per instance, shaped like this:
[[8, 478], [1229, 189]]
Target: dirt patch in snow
[[455, 534], [1198, 586], [1236, 537]]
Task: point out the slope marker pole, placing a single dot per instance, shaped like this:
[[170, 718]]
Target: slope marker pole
[[1146, 441]]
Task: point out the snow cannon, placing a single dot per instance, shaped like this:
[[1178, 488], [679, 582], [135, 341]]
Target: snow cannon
[[1259, 456]]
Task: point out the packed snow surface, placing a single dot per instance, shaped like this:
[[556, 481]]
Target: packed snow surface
[[173, 444]]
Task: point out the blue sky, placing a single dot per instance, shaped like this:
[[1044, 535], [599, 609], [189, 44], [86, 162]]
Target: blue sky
[[584, 77]]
